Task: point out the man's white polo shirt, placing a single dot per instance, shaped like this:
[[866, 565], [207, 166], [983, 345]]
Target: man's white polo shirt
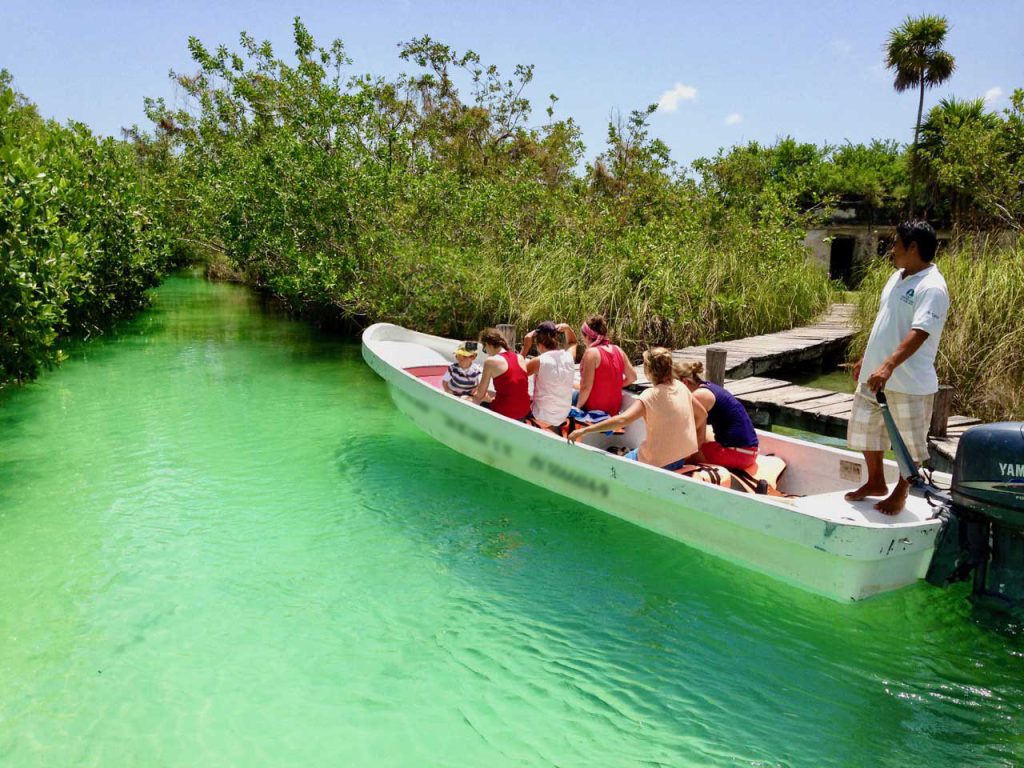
[[919, 301]]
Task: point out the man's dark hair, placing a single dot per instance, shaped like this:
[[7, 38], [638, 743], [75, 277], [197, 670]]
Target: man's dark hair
[[920, 232]]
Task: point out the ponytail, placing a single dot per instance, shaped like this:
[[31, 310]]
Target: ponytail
[[689, 369]]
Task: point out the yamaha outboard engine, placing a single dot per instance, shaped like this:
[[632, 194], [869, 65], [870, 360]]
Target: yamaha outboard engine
[[984, 530]]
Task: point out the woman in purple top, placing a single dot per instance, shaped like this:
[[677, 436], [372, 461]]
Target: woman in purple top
[[735, 443]]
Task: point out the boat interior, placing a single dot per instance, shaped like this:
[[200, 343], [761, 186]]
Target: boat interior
[[811, 477]]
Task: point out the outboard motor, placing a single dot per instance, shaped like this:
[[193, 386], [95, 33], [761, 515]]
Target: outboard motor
[[984, 530]]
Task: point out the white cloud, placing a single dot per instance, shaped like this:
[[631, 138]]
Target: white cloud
[[993, 95], [734, 118], [669, 100]]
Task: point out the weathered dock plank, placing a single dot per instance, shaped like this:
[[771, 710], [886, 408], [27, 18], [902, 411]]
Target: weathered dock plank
[[755, 355]]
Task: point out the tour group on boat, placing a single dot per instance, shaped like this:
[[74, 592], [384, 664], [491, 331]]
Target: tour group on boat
[[679, 455]]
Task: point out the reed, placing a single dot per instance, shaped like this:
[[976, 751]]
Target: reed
[[656, 284], [982, 350]]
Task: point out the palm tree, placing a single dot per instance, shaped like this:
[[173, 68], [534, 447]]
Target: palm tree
[[953, 113], [914, 52]]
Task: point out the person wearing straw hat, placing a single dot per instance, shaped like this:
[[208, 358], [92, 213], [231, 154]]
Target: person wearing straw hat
[[464, 374]]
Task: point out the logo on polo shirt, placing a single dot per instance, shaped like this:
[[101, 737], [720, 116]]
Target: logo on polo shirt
[[908, 297]]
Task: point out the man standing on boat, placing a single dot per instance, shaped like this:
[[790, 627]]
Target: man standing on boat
[[900, 358]]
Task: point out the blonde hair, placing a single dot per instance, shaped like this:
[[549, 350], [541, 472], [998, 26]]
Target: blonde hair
[[658, 365], [689, 369]]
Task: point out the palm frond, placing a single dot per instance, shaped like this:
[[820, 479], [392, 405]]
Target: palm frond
[[940, 68]]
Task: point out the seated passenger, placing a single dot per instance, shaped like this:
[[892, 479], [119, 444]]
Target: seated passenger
[[464, 374], [735, 444], [507, 370], [604, 370], [668, 413], [554, 371]]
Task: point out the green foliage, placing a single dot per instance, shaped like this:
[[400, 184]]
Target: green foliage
[[914, 52], [78, 248], [360, 199], [982, 349], [973, 162], [808, 178]]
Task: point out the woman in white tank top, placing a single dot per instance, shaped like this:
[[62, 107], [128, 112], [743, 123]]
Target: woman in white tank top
[[554, 371]]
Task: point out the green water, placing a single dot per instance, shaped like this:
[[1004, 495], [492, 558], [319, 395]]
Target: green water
[[220, 545], [839, 380]]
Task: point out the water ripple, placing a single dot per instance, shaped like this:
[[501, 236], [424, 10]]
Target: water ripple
[[221, 545]]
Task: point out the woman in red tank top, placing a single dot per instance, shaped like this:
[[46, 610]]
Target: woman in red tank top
[[507, 370], [604, 370]]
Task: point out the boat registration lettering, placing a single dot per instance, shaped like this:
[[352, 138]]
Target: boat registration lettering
[[557, 471], [478, 435], [419, 404]]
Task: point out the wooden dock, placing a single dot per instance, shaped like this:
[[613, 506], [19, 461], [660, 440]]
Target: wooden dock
[[773, 401], [755, 355]]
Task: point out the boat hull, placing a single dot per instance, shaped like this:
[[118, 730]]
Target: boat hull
[[842, 562]]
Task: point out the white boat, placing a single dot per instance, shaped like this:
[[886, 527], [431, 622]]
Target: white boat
[[817, 541]]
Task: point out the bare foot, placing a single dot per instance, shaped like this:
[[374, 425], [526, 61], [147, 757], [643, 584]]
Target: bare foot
[[867, 490], [894, 504]]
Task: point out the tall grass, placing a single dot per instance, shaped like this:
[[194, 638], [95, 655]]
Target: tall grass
[[982, 349], [657, 284]]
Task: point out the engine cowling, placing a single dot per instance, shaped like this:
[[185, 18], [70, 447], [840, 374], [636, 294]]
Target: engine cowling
[[984, 529], [988, 472]]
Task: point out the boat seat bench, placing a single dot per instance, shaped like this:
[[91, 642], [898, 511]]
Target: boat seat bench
[[430, 374]]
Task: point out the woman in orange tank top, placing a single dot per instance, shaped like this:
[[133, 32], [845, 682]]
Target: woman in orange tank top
[[604, 370], [670, 414]]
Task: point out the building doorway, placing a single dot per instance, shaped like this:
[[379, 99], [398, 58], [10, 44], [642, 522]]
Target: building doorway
[[840, 262]]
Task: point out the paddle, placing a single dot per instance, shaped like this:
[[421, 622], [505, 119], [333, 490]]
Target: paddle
[[908, 469]]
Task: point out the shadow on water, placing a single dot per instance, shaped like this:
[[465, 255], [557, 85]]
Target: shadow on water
[[719, 647]]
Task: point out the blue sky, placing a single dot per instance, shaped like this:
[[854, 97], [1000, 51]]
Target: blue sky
[[733, 72]]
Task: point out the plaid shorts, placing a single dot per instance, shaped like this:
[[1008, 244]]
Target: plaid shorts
[[912, 414]]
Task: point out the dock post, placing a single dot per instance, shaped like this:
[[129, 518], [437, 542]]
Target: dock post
[[714, 365], [509, 332], [940, 411]]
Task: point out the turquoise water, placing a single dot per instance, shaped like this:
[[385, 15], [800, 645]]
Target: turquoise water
[[221, 545]]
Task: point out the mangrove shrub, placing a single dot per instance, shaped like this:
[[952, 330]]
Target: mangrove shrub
[[435, 200], [78, 248]]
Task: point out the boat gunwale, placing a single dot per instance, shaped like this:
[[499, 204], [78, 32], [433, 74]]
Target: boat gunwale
[[894, 525]]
